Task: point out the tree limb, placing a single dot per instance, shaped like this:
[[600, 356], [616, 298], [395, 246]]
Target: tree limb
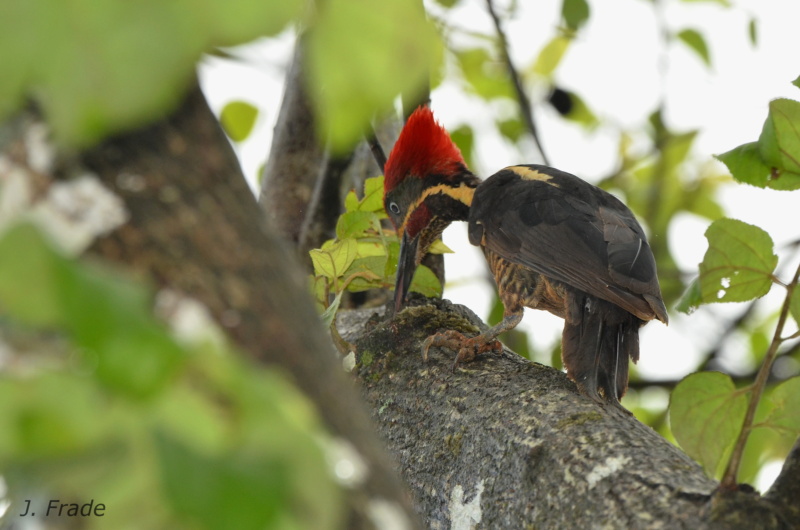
[[786, 489], [517, 437], [296, 156]]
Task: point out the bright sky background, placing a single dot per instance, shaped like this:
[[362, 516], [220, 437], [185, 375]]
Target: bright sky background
[[621, 67]]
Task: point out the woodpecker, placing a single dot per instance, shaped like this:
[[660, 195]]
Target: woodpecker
[[552, 242]]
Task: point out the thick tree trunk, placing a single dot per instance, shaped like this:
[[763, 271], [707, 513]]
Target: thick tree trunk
[[506, 443]]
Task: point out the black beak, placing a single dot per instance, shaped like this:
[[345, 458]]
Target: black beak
[[406, 265]]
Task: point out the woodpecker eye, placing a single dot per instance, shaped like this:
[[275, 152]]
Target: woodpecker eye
[[394, 208]]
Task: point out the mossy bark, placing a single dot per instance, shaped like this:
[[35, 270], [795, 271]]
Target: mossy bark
[[520, 437]]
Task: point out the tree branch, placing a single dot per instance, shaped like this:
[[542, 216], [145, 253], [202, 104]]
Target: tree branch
[[295, 158], [786, 489], [524, 103], [511, 444]]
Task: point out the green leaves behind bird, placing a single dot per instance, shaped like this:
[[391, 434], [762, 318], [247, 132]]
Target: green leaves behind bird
[[737, 266], [706, 414], [238, 119], [774, 160], [697, 43]]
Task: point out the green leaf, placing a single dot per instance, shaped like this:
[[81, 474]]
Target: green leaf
[[425, 282], [373, 195], [238, 119], [694, 40], [231, 491], [354, 224], [438, 247], [329, 314], [372, 200], [580, 112], [105, 314], [785, 417], [334, 258], [447, 3], [691, 298], [29, 277], [779, 143], [794, 305], [738, 264], [551, 55], [796, 82], [48, 416], [351, 201], [360, 58], [746, 165], [752, 31], [513, 129], [784, 180], [100, 67], [575, 13], [464, 138], [706, 414], [485, 75]]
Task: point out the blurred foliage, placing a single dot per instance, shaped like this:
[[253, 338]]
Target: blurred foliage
[[697, 43], [238, 119], [132, 59], [361, 58], [164, 434]]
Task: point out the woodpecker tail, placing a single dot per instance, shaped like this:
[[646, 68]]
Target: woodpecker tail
[[599, 338]]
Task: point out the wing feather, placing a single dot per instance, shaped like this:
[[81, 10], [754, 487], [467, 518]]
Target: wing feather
[[568, 230]]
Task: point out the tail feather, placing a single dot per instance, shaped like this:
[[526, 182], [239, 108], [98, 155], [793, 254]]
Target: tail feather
[[599, 338]]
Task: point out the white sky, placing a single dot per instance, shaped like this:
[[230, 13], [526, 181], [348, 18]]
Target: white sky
[[615, 66]]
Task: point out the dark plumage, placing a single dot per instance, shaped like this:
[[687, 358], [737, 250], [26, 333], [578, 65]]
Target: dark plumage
[[552, 241]]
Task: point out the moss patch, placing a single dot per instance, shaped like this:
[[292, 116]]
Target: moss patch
[[579, 418]]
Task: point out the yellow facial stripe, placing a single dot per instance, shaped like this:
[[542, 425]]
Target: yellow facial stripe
[[527, 173], [461, 193]]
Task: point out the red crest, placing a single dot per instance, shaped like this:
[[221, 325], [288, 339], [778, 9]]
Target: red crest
[[423, 148]]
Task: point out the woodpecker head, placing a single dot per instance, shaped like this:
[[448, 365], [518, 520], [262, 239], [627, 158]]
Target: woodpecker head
[[426, 187]]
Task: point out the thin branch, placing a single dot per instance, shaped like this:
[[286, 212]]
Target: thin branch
[[729, 479], [524, 102], [377, 150]]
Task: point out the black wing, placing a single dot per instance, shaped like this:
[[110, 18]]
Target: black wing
[[570, 231]]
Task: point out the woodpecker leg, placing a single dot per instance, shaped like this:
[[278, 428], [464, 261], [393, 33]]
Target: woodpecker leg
[[469, 348]]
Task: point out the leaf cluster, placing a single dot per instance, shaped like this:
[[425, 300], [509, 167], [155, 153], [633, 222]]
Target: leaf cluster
[[712, 419], [170, 434], [363, 255]]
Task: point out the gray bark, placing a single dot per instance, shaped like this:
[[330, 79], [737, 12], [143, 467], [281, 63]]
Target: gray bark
[[506, 443]]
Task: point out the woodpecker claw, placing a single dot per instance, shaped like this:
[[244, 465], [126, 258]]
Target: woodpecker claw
[[468, 348]]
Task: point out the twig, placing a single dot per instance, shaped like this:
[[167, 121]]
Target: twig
[[731, 471], [377, 150], [524, 102]]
